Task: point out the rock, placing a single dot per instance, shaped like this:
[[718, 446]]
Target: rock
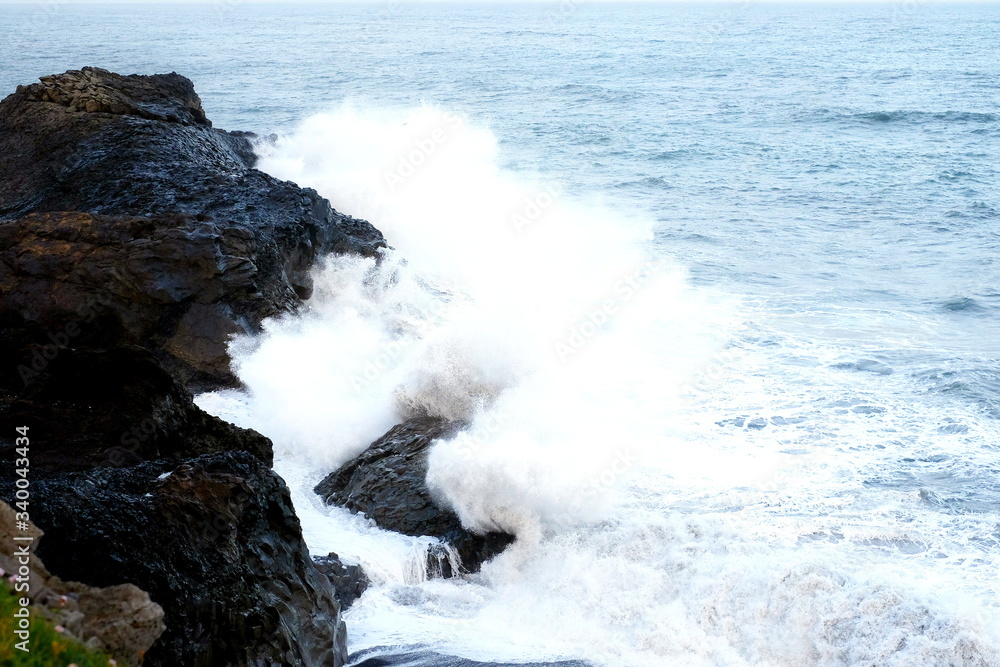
[[215, 541], [135, 239], [141, 201], [171, 283], [103, 407], [118, 620], [349, 581], [213, 538], [387, 482]]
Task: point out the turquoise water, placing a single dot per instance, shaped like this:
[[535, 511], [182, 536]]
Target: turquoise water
[[826, 177]]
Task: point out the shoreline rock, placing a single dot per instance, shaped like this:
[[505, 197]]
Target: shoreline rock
[[216, 543], [118, 187], [105, 407], [349, 581], [387, 483], [135, 239]]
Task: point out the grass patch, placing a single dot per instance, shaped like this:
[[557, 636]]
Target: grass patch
[[48, 648]]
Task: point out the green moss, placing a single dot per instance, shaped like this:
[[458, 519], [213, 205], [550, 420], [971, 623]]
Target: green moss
[[48, 648]]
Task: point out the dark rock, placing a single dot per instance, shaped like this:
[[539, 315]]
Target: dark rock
[[103, 407], [174, 284], [163, 97], [215, 542], [387, 482], [185, 239], [441, 562], [349, 581], [134, 241]]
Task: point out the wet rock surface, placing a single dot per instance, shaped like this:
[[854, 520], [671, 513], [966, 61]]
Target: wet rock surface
[[349, 581], [167, 218], [109, 407], [135, 239], [387, 482], [215, 541]]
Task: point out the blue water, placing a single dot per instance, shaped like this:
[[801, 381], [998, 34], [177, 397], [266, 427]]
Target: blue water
[[832, 169], [845, 154]]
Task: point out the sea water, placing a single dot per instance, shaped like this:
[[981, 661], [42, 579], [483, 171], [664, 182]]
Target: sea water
[[717, 288]]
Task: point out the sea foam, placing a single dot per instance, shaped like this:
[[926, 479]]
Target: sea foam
[[588, 369]]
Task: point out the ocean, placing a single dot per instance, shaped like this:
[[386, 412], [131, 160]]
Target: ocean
[[717, 288]]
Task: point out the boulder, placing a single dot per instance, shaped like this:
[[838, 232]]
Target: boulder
[[349, 581], [117, 406], [151, 210], [387, 482], [215, 541]]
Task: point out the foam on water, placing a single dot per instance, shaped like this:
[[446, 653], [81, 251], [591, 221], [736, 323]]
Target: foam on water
[[694, 479]]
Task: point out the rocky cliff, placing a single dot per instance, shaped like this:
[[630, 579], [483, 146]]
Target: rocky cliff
[[134, 240], [173, 233]]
